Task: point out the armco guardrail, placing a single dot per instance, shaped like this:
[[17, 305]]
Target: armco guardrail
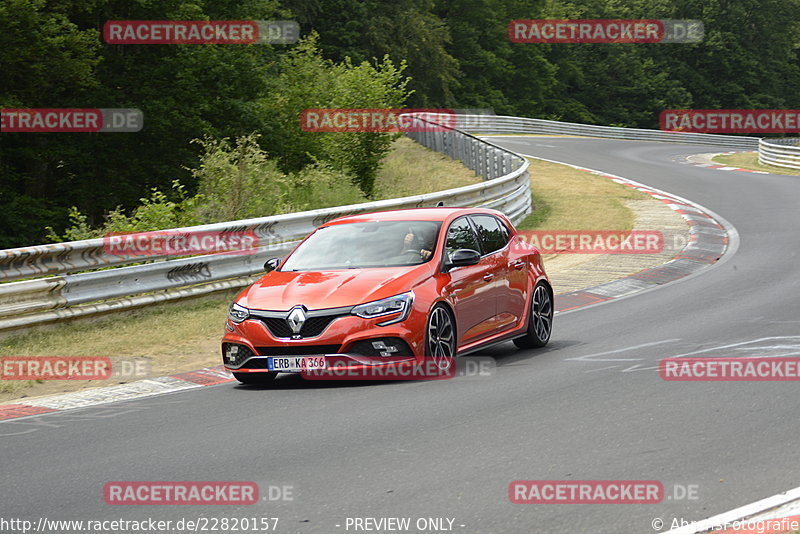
[[119, 285], [503, 124], [780, 152], [71, 292]]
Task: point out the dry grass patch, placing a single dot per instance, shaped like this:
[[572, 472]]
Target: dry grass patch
[[565, 198], [411, 169]]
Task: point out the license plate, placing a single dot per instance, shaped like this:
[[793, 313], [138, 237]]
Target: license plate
[[295, 364]]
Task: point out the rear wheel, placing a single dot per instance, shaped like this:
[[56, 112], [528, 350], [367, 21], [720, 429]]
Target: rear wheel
[[440, 339], [255, 379], [540, 323]]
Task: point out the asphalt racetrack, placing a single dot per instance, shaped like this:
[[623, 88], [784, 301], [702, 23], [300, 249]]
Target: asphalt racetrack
[[588, 407]]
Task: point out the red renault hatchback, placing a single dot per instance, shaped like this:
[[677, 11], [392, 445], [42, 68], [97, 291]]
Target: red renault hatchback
[[388, 288]]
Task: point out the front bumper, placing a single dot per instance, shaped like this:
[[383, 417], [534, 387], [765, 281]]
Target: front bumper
[[347, 342]]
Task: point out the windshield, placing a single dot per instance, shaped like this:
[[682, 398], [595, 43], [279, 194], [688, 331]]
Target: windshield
[[367, 244]]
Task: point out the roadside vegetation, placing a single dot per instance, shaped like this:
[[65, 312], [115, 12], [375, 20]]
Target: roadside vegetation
[[239, 181], [452, 54]]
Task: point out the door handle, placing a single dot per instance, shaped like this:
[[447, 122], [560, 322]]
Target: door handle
[[518, 265], [488, 277]]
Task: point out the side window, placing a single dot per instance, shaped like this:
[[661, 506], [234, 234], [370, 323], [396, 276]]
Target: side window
[[460, 235], [493, 235]]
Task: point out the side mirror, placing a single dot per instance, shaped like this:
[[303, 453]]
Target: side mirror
[[271, 264], [462, 257]]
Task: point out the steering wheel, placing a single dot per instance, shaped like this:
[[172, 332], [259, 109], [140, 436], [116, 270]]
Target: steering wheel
[[412, 254]]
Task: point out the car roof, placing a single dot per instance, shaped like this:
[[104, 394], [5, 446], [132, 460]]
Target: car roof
[[412, 214]]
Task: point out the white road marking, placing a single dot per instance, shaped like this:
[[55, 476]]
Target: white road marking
[[638, 367], [794, 349], [743, 512], [592, 357]]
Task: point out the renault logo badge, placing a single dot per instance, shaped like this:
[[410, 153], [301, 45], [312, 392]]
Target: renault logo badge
[[296, 318]]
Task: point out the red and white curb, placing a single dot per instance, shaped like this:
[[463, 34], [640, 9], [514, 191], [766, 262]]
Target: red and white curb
[[711, 238], [778, 514], [707, 161], [134, 390]]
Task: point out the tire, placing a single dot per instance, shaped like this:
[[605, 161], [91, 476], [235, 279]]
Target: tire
[[255, 379], [540, 322], [440, 336]]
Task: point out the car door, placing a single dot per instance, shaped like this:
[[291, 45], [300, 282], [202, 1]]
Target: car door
[[471, 286], [510, 271]]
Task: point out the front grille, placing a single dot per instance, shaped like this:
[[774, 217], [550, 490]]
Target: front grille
[[313, 326], [298, 350], [241, 354]]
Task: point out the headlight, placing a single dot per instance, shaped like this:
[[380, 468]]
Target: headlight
[[398, 304], [237, 313]]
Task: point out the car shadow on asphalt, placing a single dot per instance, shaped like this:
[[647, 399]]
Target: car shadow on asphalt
[[507, 353], [295, 381], [503, 354]]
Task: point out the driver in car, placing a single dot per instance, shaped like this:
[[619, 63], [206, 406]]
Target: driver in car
[[418, 244]]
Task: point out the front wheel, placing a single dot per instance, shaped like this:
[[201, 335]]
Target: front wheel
[[255, 379], [440, 339], [540, 323]]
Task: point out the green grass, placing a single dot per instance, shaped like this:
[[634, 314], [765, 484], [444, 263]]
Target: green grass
[[542, 210], [749, 160], [565, 198], [411, 169]]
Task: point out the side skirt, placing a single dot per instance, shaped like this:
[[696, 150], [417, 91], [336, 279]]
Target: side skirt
[[505, 336]]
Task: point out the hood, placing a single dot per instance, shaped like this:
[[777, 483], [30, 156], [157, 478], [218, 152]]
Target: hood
[[281, 291]]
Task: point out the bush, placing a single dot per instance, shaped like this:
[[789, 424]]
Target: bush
[[154, 213], [321, 186], [307, 81], [236, 181]]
